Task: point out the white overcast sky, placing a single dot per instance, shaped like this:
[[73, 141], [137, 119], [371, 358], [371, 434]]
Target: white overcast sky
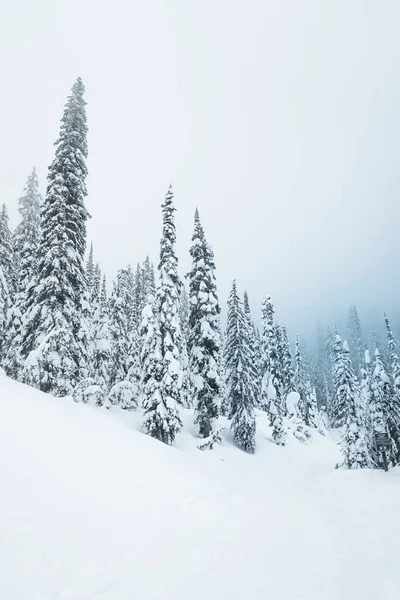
[[279, 119]]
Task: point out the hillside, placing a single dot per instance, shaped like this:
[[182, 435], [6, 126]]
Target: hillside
[[92, 508]]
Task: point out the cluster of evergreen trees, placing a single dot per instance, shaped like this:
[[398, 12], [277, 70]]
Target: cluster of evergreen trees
[[154, 344]]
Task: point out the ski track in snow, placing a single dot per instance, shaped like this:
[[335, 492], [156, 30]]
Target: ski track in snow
[[93, 509]]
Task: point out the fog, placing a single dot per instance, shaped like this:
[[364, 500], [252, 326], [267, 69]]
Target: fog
[[279, 119]]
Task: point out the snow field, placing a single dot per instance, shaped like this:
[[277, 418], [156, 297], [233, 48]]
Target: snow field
[[90, 507]]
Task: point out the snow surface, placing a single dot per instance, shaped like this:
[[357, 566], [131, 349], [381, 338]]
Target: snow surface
[[90, 508]]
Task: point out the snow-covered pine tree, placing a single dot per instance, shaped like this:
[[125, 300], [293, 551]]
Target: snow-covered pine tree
[[51, 337], [354, 443], [119, 338], [380, 395], [161, 401], [339, 406], [393, 409], [139, 294], [240, 388], [204, 332], [96, 284], [186, 388], [287, 363], [27, 233], [26, 246], [355, 340], [271, 392], [90, 269], [6, 279], [393, 358], [365, 392], [253, 344], [184, 313], [157, 417], [6, 250], [149, 283], [4, 307], [299, 383], [322, 371], [329, 360], [223, 397], [124, 387], [101, 367]]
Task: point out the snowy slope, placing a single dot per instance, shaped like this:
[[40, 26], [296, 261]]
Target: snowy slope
[[90, 508]]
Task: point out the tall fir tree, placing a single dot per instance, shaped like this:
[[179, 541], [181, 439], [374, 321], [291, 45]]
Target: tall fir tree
[[149, 283], [271, 393], [322, 371], [119, 336], [393, 409], [204, 332], [161, 404], [96, 284], [380, 396], [339, 406], [4, 307], [7, 250], [287, 363], [101, 367], [240, 388], [90, 271], [355, 340], [254, 347], [6, 278], [299, 382], [51, 337], [354, 442], [26, 247]]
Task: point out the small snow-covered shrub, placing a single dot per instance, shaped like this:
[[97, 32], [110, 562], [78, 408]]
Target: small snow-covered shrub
[[214, 438], [123, 394], [89, 392]]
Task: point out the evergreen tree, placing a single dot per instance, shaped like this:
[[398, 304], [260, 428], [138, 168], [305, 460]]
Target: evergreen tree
[[223, 394], [380, 395], [254, 347], [51, 336], [161, 407], [184, 313], [6, 250], [90, 271], [365, 390], [393, 409], [339, 406], [149, 283], [354, 442], [356, 343], [393, 358], [299, 383], [27, 234], [6, 279], [271, 393], [158, 417], [287, 363], [96, 284], [139, 294], [101, 366], [4, 307], [119, 339], [322, 371], [204, 332], [240, 389]]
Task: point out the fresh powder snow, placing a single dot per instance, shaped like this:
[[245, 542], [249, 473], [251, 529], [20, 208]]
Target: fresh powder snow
[[91, 508]]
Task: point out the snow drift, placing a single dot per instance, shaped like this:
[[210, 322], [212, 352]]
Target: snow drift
[[92, 508]]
